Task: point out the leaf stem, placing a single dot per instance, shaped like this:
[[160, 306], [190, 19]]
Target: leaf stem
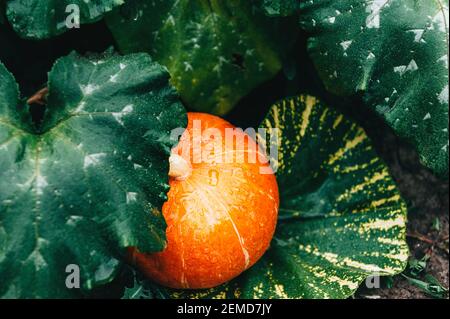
[[40, 97]]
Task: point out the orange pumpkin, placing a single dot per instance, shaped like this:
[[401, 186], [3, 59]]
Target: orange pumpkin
[[221, 211]]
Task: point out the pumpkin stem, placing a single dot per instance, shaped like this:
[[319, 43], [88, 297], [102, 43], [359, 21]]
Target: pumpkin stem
[[180, 169]]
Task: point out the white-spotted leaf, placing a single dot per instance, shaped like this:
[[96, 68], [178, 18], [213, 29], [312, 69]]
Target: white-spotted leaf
[[42, 19], [90, 179], [396, 53]]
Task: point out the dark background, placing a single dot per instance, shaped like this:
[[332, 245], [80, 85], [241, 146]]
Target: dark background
[[426, 195]]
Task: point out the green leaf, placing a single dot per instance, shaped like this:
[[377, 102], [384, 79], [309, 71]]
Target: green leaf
[[216, 51], [436, 289], [389, 282], [341, 216], [142, 289], [90, 179], [416, 267], [395, 52], [431, 286], [436, 225], [37, 19]]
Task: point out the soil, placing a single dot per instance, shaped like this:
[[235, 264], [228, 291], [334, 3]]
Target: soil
[[427, 199]]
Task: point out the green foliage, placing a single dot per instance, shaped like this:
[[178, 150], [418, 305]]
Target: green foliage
[[143, 289], [417, 267], [430, 285], [89, 179], [396, 53], [38, 19], [216, 51], [417, 276], [436, 225]]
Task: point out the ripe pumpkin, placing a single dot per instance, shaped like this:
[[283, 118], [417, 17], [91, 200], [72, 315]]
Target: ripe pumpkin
[[221, 215]]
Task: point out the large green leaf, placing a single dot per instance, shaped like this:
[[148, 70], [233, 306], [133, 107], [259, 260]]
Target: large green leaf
[[41, 19], [341, 216], [396, 52], [90, 179], [216, 51]]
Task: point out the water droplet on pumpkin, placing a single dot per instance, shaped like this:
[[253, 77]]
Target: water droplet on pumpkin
[[213, 177]]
